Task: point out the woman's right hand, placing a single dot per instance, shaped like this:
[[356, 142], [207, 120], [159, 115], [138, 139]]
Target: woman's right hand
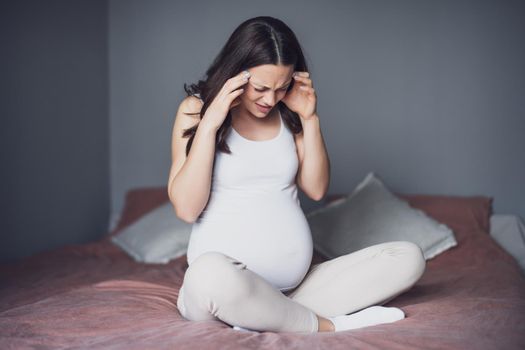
[[222, 103]]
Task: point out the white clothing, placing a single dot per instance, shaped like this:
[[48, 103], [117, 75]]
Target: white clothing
[[216, 286], [251, 247], [253, 213]]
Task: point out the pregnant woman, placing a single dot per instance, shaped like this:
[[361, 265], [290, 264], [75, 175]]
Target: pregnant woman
[[243, 140]]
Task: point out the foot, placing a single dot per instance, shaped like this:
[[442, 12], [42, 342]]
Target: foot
[[370, 316], [237, 328]]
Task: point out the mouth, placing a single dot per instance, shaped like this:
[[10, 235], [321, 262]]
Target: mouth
[[263, 108]]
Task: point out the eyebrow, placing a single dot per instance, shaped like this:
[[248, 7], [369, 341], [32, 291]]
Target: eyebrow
[[266, 87]]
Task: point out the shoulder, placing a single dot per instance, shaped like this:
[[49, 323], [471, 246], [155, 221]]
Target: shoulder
[[191, 104], [187, 115], [188, 112]]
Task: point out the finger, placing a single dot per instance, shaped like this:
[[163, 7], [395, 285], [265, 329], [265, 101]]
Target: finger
[[239, 78], [244, 74], [233, 98], [235, 93], [304, 80], [307, 88], [237, 81], [235, 103], [301, 74], [298, 77]]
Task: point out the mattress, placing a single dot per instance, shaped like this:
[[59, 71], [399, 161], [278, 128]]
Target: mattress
[[471, 296]]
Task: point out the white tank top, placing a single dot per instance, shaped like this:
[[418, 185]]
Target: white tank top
[[253, 213]]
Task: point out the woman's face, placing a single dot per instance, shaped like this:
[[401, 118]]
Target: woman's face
[[267, 86]]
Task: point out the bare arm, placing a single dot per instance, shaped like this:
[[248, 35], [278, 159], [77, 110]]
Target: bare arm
[[190, 177], [313, 175], [189, 181]]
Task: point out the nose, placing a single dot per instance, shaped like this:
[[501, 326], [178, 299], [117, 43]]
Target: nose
[[269, 98]]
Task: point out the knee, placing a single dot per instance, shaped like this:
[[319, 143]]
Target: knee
[[413, 261], [217, 274], [408, 260]]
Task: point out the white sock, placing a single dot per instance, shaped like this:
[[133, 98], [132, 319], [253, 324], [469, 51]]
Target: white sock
[[370, 316], [237, 328]]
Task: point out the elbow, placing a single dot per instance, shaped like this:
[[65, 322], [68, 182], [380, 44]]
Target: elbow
[[320, 195], [186, 219], [316, 196], [184, 215]]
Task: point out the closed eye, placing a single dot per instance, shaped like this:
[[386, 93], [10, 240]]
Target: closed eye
[[282, 89]]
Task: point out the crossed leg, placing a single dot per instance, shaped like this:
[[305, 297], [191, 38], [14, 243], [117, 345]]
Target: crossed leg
[[370, 276], [217, 286]]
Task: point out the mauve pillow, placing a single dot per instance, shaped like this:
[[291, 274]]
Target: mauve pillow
[[370, 215], [465, 215], [461, 213]]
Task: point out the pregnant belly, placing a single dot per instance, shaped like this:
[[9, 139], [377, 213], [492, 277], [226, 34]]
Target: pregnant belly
[[270, 235]]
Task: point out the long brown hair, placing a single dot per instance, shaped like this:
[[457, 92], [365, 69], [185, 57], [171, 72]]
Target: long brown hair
[[256, 41]]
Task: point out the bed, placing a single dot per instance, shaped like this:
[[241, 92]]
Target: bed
[[95, 296]]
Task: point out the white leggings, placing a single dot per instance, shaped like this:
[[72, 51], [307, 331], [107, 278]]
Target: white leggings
[[217, 286]]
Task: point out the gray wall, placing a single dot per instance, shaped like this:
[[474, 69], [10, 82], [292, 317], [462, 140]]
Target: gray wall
[[54, 133], [428, 94]]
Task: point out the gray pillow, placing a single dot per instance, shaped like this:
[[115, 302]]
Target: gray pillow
[[370, 215], [509, 231], [156, 237]]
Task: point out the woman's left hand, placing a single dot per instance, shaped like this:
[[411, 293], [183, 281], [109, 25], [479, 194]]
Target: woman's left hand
[[301, 98]]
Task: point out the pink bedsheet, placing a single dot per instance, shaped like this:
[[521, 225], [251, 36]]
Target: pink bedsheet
[[93, 295]]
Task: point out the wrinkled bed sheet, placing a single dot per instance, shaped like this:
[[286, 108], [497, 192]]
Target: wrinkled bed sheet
[[93, 295]]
